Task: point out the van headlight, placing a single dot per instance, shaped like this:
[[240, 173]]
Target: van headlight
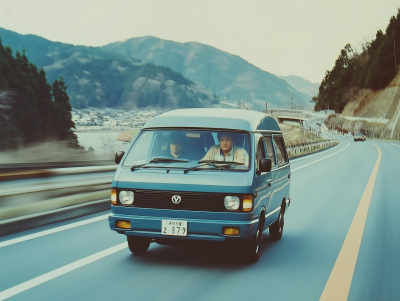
[[232, 202], [126, 197]]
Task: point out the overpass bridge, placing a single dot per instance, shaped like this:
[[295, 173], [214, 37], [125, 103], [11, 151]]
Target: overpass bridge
[[306, 119], [282, 118]]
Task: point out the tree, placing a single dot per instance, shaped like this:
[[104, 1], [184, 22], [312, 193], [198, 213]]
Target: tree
[[63, 117]]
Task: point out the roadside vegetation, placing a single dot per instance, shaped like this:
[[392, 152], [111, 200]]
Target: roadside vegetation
[[55, 151], [31, 110], [373, 67], [294, 136]]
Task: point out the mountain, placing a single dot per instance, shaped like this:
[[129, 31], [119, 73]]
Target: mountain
[[126, 74], [228, 76], [99, 78], [301, 85], [119, 83]]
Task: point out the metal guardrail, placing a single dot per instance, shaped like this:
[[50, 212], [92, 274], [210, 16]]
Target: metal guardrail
[[13, 167], [54, 190], [310, 147], [43, 172]]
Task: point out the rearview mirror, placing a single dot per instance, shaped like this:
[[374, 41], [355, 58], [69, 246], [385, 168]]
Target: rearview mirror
[[118, 157], [264, 165]]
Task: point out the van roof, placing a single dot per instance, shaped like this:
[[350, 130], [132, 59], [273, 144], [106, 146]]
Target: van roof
[[215, 118]]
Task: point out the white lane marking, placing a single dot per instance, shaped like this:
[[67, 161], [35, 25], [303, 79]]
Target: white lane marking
[[395, 144], [316, 161], [51, 231], [12, 291], [338, 285], [318, 154]]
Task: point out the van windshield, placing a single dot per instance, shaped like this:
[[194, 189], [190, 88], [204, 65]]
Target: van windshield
[[219, 150]]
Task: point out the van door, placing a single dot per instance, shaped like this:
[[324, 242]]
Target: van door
[[263, 179], [280, 177], [269, 146]]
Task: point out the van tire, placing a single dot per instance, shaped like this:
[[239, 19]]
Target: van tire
[[276, 229], [253, 247], [138, 245]]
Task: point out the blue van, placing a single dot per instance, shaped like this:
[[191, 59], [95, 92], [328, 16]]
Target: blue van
[[202, 175]]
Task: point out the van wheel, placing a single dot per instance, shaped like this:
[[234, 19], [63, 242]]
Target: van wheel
[[276, 229], [253, 247], [138, 245]]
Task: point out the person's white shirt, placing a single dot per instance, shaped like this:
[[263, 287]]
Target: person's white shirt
[[236, 154]]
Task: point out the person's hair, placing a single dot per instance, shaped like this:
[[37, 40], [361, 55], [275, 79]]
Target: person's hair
[[176, 138], [224, 134]]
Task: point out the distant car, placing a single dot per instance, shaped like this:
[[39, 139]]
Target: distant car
[[359, 137]]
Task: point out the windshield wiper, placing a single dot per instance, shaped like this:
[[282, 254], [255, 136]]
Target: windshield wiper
[[158, 160], [220, 162], [204, 164], [217, 164]]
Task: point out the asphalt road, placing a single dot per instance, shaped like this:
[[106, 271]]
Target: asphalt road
[[90, 262]]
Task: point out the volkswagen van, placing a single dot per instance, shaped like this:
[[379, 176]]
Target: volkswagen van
[[206, 189]]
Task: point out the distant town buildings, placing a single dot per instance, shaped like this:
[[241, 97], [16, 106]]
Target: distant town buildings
[[107, 118]]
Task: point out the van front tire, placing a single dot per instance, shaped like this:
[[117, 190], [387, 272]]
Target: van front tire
[[253, 248], [276, 229], [138, 245]]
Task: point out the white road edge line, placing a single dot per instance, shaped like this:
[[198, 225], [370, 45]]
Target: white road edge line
[[316, 161], [317, 154], [395, 144], [17, 289], [51, 231]]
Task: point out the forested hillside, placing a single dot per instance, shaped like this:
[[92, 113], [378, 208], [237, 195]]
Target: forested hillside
[[31, 109], [373, 67], [228, 76], [100, 82], [98, 78]]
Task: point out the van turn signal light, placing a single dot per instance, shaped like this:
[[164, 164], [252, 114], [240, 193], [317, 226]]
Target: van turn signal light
[[114, 196], [234, 231], [123, 224], [247, 203]]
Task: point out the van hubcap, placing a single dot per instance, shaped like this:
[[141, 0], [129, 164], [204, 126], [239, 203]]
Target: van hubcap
[[257, 241], [281, 222]]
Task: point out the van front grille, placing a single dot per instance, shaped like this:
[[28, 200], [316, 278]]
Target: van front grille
[[195, 201]]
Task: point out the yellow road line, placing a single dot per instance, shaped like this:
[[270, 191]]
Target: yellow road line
[[338, 286]]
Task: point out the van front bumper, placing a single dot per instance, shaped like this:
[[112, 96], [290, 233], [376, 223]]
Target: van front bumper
[[198, 229]]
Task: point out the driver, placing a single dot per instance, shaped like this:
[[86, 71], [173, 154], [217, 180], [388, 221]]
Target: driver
[[226, 150], [176, 145]]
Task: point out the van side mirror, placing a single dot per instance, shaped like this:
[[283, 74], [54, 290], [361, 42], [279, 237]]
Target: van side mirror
[[264, 165], [118, 157]]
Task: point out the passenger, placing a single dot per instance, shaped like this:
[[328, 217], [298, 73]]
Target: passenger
[[226, 150], [176, 145]]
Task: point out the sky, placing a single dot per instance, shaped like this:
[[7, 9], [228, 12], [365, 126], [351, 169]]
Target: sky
[[283, 37]]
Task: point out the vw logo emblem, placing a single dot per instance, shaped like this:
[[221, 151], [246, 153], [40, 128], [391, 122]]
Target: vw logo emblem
[[176, 199]]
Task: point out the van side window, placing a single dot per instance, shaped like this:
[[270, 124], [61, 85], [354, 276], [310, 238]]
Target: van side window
[[280, 151], [260, 151], [270, 150]]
